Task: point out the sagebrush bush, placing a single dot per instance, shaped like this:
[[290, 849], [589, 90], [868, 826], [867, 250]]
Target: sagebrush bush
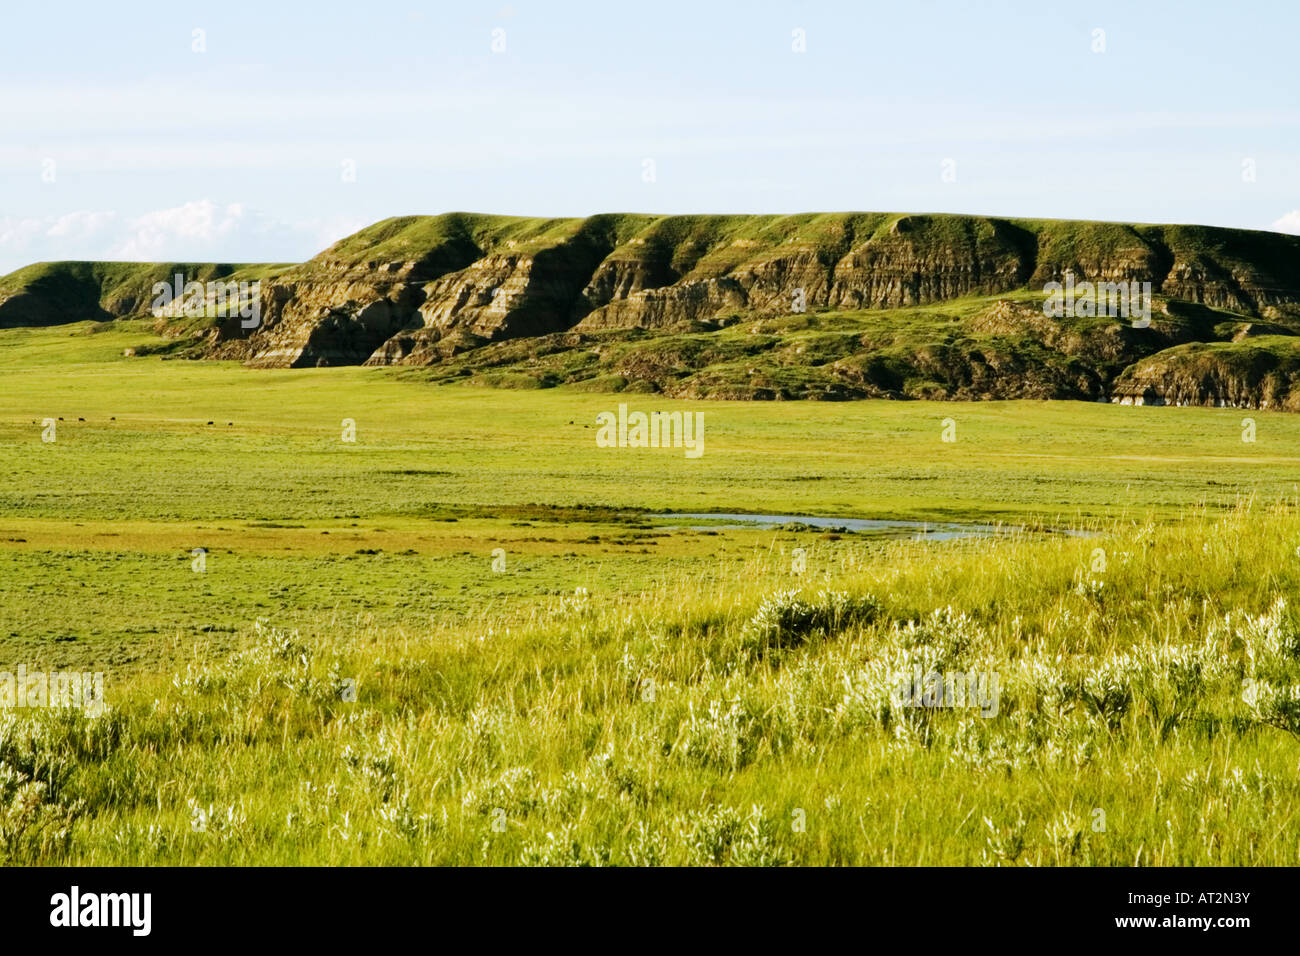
[[786, 619]]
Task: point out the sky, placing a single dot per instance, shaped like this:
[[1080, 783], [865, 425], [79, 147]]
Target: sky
[[251, 132]]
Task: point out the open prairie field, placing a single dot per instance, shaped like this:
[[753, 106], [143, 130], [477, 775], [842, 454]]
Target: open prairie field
[[347, 616]]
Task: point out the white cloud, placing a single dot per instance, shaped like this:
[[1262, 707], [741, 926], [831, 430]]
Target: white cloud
[[1288, 223], [76, 226], [18, 233], [200, 225], [197, 231]]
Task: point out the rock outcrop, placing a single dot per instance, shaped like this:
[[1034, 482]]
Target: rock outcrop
[[452, 290], [1262, 373], [525, 278]]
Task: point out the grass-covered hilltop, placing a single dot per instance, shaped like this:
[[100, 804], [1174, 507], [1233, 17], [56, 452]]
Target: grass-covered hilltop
[[824, 306]]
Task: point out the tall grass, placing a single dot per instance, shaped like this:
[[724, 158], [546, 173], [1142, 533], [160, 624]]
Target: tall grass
[[1149, 714]]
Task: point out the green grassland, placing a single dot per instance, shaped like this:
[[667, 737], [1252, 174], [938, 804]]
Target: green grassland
[[628, 690]]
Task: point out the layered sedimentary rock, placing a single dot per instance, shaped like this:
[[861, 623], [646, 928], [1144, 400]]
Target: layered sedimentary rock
[[1263, 373], [427, 290], [656, 273], [320, 318]]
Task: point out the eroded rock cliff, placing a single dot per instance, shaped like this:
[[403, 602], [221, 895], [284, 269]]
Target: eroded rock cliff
[[451, 292]]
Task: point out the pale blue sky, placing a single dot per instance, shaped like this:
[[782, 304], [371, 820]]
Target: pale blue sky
[[237, 153]]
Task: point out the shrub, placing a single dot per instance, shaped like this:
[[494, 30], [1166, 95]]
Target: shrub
[[786, 620]]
